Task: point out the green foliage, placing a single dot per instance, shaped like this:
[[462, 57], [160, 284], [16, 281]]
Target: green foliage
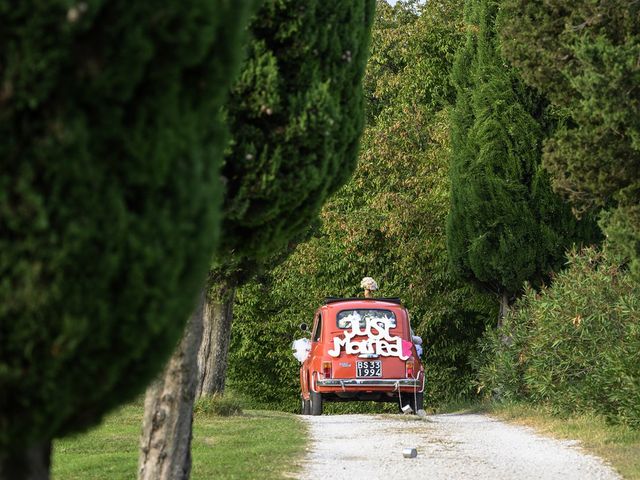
[[408, 62], [622, 227], [222, 405], [296, 116], [109, 197], [505, 225], [575, 345], [387, 222], [584, 56], [261, 365]]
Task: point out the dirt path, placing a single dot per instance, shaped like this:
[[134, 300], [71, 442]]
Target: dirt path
[[453, 446]]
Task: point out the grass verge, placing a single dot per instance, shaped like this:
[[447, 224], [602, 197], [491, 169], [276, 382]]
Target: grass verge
[[256, 444], [619, 445]]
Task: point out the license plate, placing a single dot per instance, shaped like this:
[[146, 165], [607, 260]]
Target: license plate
[[369, 369]]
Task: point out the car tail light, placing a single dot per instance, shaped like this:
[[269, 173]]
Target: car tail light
[[409, 366], [326, 369]]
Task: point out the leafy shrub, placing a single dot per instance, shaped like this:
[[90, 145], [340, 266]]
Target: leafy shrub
[[219, 405], [575, 345]]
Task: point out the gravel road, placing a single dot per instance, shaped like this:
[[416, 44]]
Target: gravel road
[[455, 446]]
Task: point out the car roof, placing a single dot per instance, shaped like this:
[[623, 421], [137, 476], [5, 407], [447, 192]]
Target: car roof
[[328, 300], [345, 303]]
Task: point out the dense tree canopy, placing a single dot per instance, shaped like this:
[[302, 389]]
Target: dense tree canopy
[[295, 115], [410, 63], [109, 197], [387, 222], [505, 225], [584, 56]]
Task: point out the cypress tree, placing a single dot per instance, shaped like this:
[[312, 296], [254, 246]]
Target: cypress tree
[[296, 116], [109, 202], [505, 225], [584, 56]]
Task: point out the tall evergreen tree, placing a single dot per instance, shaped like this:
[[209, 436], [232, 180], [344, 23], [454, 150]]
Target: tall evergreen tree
[[109, 202], [296, 115], [505, 225], [584, 56]]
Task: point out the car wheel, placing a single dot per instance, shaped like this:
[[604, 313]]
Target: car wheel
[[305, 407], [417, 402], [316, 403]]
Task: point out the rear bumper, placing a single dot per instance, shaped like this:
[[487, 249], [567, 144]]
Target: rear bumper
[[388, 384]]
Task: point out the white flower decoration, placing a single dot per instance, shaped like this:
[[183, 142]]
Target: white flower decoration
[[368, 283]]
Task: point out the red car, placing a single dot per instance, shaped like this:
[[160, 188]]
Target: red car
[[361, 349]]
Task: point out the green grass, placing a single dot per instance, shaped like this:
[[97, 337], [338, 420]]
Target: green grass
[[257, 444], [617, 444]]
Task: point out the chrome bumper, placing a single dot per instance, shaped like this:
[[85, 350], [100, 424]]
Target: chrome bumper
[[370, 382]]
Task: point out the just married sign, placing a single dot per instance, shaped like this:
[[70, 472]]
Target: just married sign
[[372, 338]]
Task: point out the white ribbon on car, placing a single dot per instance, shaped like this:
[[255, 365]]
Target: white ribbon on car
[[301, 348]]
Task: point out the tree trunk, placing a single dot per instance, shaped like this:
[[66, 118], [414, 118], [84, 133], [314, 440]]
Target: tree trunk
[[165, 444], [505, 307], [213, 353], [32, 463]]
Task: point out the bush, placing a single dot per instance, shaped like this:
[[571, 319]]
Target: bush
[[575, 345], [219, 405]]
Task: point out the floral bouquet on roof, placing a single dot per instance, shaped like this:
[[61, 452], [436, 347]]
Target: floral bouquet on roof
[[369, 285]]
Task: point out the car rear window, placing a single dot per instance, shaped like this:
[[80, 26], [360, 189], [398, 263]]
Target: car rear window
[[361, 315]]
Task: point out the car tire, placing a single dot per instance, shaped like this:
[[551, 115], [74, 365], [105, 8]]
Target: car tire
[[316, 403], [305, 407], [417, 402]]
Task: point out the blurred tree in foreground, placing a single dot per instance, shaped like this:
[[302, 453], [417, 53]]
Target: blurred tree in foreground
[[584, 56], [506, 225], [109, 202]]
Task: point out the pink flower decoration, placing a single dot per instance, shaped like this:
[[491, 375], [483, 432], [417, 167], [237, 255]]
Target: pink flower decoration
[[406, 348]]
